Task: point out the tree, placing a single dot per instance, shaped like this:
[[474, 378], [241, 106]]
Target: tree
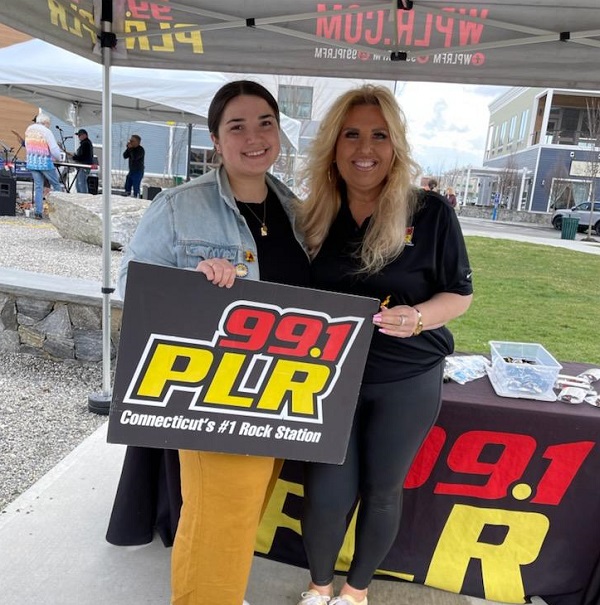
[[592, 129], [509, 180], [561, 188]]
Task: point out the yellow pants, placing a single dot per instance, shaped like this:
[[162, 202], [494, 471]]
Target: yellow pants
[[223, 500]]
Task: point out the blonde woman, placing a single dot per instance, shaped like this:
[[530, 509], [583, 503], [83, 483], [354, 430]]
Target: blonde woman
[[451, 197], [371, 232]]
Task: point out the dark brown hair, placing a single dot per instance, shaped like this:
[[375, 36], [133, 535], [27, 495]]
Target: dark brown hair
[[230, 91]]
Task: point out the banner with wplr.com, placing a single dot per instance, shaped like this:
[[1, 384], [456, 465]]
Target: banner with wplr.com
[[260, 368]]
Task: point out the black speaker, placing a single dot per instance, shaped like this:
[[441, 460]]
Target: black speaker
[[92, 183], [149, 193], [8, 196]]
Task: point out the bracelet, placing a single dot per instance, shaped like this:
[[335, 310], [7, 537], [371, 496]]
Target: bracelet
[[419, 327]]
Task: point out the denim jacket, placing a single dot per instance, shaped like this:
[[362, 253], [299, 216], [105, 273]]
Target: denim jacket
[[197, 221]]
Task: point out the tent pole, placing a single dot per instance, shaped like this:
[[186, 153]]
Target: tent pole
[[100, 402], [190, 128]]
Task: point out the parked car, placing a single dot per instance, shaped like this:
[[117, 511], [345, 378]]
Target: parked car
[[582, 211]]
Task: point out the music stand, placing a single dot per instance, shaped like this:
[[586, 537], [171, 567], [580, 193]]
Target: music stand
[[21, 141], [15, 159]]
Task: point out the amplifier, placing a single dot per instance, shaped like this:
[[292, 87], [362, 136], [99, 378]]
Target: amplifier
[[149, 192], [8, 196], [20, 170], [92, 183]]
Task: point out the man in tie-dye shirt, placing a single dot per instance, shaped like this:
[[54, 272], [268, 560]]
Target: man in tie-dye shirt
[[42, 148]]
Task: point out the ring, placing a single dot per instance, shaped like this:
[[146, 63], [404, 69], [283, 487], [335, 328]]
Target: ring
[[402, 319]]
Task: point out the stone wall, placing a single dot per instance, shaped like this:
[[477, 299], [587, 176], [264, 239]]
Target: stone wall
[[56, 325], [506, 215]]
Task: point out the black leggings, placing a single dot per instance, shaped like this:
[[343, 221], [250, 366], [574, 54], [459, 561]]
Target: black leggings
[[391, 422]]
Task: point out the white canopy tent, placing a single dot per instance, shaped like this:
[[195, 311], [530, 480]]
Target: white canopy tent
[[70, 87], [536, 43]]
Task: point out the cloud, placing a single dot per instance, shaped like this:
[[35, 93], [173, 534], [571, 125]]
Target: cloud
[[447, 123]]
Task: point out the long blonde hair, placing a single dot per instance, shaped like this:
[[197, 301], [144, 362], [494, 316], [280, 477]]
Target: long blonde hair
[[385, 237]]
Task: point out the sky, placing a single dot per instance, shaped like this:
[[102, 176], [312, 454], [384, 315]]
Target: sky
[[447, 123]]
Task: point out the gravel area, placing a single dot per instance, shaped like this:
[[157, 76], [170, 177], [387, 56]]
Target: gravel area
[[34, 245], [43, 404]]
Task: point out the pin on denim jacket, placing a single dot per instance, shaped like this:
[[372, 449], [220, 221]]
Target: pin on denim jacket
[[197, 221]]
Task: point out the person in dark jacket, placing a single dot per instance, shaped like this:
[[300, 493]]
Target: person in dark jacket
[[83, 155], [135, 153]]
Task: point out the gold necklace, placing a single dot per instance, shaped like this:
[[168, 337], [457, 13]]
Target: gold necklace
[[263, 223]]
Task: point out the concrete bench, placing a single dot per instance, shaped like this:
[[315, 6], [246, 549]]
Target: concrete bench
[[53, 316]]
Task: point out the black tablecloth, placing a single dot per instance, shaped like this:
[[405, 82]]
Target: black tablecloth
[[148, 497]]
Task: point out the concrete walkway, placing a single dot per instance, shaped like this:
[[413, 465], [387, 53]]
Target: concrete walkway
[[548, 239], [53, 550]]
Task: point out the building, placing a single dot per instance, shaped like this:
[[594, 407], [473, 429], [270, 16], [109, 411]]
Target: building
[[14, 115], [544, 145]]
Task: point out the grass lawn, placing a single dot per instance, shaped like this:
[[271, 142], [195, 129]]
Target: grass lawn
[[532, 293]]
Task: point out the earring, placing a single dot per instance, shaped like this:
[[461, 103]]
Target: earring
[[330, 173]]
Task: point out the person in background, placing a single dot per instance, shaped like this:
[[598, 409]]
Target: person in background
[[41, 149], [236, 220], [371, 233], [432, 185], [83, 155], [135, 153], [451, 197]]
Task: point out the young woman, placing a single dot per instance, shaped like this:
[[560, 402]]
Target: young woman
[[236, 221], [370, 232]]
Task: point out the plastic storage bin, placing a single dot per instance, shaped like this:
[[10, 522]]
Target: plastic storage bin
[[523, 369], [569, 227]]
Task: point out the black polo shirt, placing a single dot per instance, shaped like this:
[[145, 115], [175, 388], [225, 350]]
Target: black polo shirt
[[434, 260]]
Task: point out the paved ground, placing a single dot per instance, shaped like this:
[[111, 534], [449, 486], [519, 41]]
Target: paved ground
[[54, 552], [534, 234]]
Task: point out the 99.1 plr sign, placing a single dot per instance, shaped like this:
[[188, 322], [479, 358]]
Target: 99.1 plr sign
[[260, 368]]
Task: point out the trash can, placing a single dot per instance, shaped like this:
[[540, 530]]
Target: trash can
[[569, 227]]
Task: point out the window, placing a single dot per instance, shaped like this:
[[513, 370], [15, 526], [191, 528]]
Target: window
[[491, 136], [201, 161], [523, 126], [502, 137], [512, 128], [296, 101]]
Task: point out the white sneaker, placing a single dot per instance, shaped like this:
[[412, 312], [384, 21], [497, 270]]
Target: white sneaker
[[312, 597], [245, 602], [347, 600]]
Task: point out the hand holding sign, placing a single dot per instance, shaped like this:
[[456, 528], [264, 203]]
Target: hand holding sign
[[235, 373]]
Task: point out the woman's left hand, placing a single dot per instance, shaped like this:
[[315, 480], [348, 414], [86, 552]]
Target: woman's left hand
[[218, 271], [400, 321]]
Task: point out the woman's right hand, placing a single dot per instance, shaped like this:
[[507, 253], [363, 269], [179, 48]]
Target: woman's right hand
[[218, 271]]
